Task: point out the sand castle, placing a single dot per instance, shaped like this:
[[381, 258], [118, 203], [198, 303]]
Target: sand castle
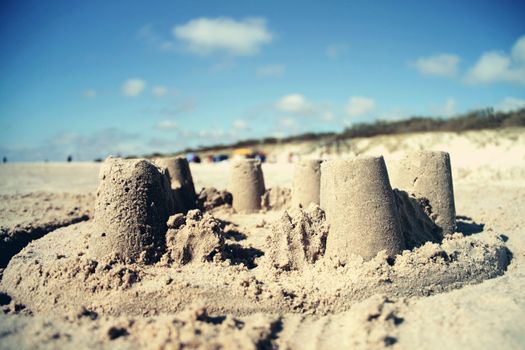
[[364, 214], [315, 260], [428, 175], [306, 182], [181, 181], [360, 208], [247, 185], [132, 207]]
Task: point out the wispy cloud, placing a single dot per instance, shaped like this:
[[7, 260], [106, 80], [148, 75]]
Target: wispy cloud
[[160, 90], [133, 87], [510, 104], [288, 122], [148, 35], [335, 51], [82, 146], [443, 65], [359, 105], [182, 106], [223, 65], [500, 67], [272, 70], [291, 107], [166, 125], [294, 103], [447, 109], [240, 124], [89, 93], [205, 36]]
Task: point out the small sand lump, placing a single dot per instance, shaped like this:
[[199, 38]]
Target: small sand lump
[[210, 198], [195, 237], [297, 238]]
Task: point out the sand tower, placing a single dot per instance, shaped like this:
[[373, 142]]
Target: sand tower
[[131, 210], [427, 174], [306, 182], [247, 185], [181, 182], [360, 208]]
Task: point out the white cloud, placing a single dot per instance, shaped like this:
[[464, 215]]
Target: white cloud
[[294, 103], [449, 108], [82, 146], [497, 66], [518, 50], [159, 90], [395, 114], [335, 51], [359, 105], [273, 70], [237, 38], [152, 38], [224, 65], [492, 66], [443, 65], [89, 93], [166, 125], [240, 124], [510, 104], [288, 122], [327, 116], [133, 87], [446, 110]]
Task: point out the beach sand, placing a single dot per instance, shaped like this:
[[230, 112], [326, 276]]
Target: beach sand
[[253, 281]]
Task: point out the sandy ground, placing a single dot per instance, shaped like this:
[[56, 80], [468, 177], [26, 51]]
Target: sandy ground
[[489, 184]]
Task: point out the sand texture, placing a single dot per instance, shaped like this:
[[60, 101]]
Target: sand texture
[[266, 279], [26, 217]]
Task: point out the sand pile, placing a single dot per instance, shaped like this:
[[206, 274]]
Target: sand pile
[[298, 238], [192, 238], [415, 220], [54, 273], [276, 198], [371, 324], [210, 198], [191, 329]]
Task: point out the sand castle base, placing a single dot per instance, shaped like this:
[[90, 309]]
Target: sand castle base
[[54, 274]]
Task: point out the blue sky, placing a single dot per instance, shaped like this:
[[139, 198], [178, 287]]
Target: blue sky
[[132, 77]]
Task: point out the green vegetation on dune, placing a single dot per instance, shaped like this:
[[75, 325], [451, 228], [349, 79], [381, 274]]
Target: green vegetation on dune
[[475, 120]]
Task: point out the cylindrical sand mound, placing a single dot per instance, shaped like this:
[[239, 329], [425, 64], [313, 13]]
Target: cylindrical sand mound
[[428, 175], [132, 207], [181, 182], [306, 183], [360, 208], [247, 185]]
